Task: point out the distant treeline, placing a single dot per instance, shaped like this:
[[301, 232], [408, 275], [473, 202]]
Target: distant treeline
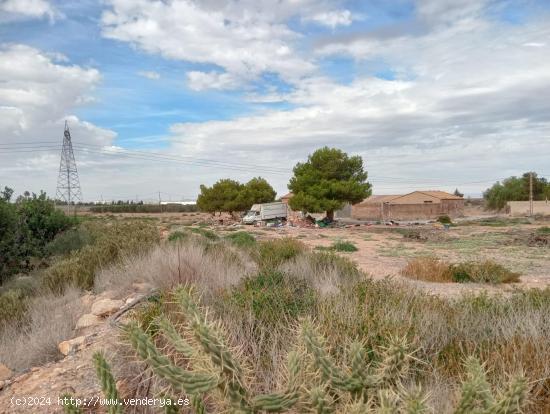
[[143, 208]]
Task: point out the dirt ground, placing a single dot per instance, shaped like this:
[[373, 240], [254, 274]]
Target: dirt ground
[[384, 250]]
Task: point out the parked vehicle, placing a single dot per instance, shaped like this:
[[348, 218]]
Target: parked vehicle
[[265, 212]]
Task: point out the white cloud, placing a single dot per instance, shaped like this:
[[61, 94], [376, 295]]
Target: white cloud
[[243, 38], [332, 19], [199, 81], [149, 74], [470, 103], [27, 9]]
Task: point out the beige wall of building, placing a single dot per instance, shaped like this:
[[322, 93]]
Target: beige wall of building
[[521, 208], [418, 205]]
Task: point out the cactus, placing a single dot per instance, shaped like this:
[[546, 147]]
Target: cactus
[[395, 362], [329, 371], [414, 401], [190, 382], [108, 383], [388, 402], [320, 401], [362, 387], [476, 395]]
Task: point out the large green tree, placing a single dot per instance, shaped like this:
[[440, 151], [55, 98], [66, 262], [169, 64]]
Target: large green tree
[[222, 196], [327, 181], [516, 189], [231, 196], [256, 191]]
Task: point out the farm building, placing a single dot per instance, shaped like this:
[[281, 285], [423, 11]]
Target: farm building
[[418, 205]]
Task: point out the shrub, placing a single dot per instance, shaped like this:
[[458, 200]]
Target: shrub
[[177, 235], [432, 269], [209, 234], [241, 239], [429, 269], [70, 240], [483, 272], [13, 305], [345, 267], [115, 240], [543, 231], [444, 219], [272, 296], [344, 246], [33, 340], [273, 253]]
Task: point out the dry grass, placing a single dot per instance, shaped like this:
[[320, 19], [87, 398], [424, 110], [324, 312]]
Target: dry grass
[[429, 269], [50, 319], [211, 266]]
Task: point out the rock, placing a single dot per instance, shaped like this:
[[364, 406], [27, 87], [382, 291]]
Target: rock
[[87, 299], [72, 345], [131, 299], [108, 294], [142, 287], [5, 373], [106, 307], [87, 320]]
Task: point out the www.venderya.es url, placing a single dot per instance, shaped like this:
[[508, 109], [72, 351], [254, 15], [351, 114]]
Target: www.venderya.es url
[[99, 401]]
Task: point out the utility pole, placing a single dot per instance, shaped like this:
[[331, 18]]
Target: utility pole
[[530, 193], [68, 183], [160, 204]]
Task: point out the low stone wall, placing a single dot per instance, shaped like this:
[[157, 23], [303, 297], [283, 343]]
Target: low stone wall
[[407, 212], [521, 208]]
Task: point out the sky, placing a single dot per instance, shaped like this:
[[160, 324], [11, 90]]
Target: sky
[[162, 96]]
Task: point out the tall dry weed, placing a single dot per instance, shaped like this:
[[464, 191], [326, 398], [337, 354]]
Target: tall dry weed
[[33, 341]]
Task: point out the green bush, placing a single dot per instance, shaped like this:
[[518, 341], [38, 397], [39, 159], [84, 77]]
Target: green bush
[[272, 297], [482, 272], [209, 234], [177, 236], [70, 240], [26, 227], [241, 239], [543, 231], [445, 219], [272, 253], [344, 246], [112, 241]]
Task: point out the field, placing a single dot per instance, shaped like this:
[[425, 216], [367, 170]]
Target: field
[[354, 319]]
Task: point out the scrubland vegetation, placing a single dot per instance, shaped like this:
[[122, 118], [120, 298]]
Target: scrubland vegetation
[[237, 322], [261, 297]]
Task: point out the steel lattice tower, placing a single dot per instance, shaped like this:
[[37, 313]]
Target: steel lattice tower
[[68, 184]]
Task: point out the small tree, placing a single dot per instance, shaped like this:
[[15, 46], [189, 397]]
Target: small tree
[[328, 180], [515, 189], [224, 195], [458, 193], [256, 191]]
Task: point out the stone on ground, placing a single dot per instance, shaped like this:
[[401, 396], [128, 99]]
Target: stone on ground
[[106, 307]]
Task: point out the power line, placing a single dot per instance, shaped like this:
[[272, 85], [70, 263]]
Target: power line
[[107, 150]]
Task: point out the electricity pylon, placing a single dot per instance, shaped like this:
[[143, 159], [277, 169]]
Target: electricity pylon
[[68, 184]]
